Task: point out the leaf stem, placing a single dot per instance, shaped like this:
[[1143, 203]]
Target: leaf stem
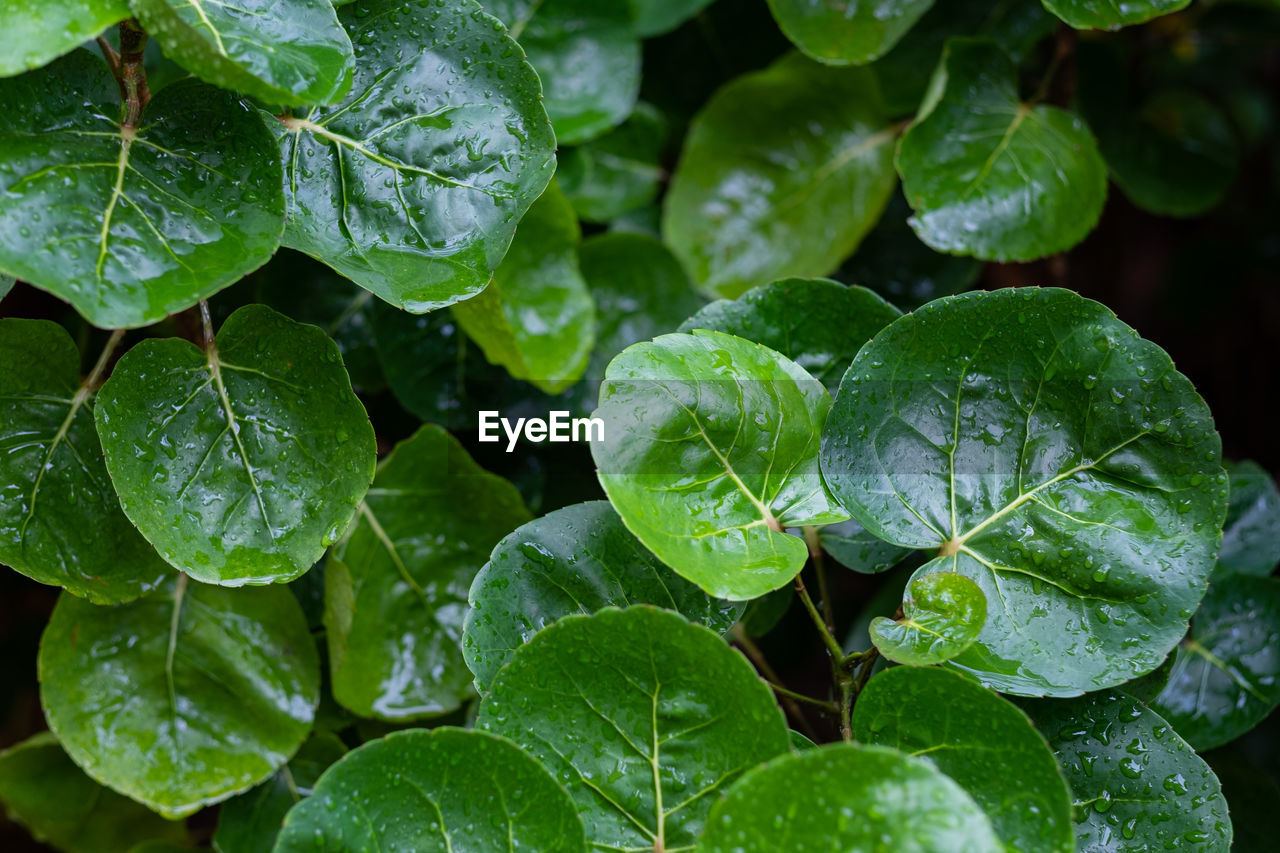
[[828, 638], [800, 697], [206, 323], [820, 569], [130, 73], [752, 651], [95, 377]]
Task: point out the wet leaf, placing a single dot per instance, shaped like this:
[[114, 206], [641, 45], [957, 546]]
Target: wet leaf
[[36, 34], [943, 614], [1105, 15], [421, 356], [854, 548], [1251, 534], [1052, 455], [655, 17], [644, 716], [846, 32], [619, 171], [243, 463]]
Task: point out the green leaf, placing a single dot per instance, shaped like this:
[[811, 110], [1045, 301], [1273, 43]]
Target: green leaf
[[250, 822], [943, 614], [1137, 785], [872, 798], [279, 51], [242, 463], [1226, 673], [536, 317], [396, 586], [1105, 15], [579, 559], [132, 225], [586, 55], [710, 451], [817, 323], [438, 154], [982, 742], [618, 172], [143, 695], [45, 791], [441, 791], [645, 717], [655, 17], [782, 174], [764, 613], [991, 176], [846, 32], [60, 521], [1251, 533], [854, 548], [36, 34], [1052, 455], [6, 284]]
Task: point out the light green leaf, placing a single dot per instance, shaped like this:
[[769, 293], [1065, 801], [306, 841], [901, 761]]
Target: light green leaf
[[60, 521], [241, 463], [279, 51], [142, 695], [655, 17], [579, 559], [1137, 785], [847, 32], [45, 791], [37, 33], [991, 176], [1107, 15], [782, 174], [438, 154], [536, 318], [617, 172], [645, 717], [1251, 533], [872, 798], [709, 453], [130, 225], [982, 742], [943, 614], [396, 586], [1052, 455]]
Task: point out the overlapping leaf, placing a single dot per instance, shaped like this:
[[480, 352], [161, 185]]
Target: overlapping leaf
[[943, 613], [617, 172], [36, 33], [1105, 15], [1251, 533], [854, 548], [847, 32], [655, 17]]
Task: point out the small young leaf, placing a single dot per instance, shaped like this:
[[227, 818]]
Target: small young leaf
[[655, 17], [709, 453], [1251, 533], [579, 559], [782, 174], [645, 717], [396, 586], [943, 613], [240, 464], [617, 172], [1093, 14], [37, 33], [441, 791], [982, 742], [847, 32], [143, 695], [872, 798]]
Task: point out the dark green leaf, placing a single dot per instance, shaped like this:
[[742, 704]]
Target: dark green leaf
[[655, 17], [854, 548], [6, 284], [421, 355], [763, 613], [618, 172], [943, 614], [1251, 534], [37, 33], [847, 32], [1106, 15]]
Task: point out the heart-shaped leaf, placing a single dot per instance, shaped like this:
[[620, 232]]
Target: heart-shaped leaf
[[1050, 454], [128, 224], [709, 453], [396, 586], [142, 695], [645, 716], [1091, 14], [943, 613], [579, 559], [35, 36], [243, 462], [441, 791], [617, 172], [846, 32], [438, 153], [1251, 533]]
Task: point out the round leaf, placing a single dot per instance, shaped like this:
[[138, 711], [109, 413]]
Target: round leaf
[[617, 172], [579, 559], [142, 695], [1050, 454], [243, 463], [943, 614], [846, 32], [36, 33], [1094, 14], [131, 225], [1251, 533], [644, 716]]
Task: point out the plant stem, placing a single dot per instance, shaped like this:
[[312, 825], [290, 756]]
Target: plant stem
[[757, 657], [847, 694], [100, 367], [207, 323], [800, 697], [833, 647], [820, 569], [130, 73]]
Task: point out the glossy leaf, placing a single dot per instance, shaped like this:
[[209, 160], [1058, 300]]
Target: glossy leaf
[[42, 789], [536, 317], [655, 17], [37, 33], [1137, 785], [441, 791], [396, 586], [943, 613], [579, 559], [1251, 534], [872, 798], [438, 155], [585, 53], [132, 225], [1052, 455], [709, 453], [846, 32], [420, 354], [982, 742], [854, 548], [142, 695], [817, 323], [279, 51], [60, 521], [1226, 673], [1105, 15], [782, 174], [242, 463], [991, 176], [645, 718], [619, 171]]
